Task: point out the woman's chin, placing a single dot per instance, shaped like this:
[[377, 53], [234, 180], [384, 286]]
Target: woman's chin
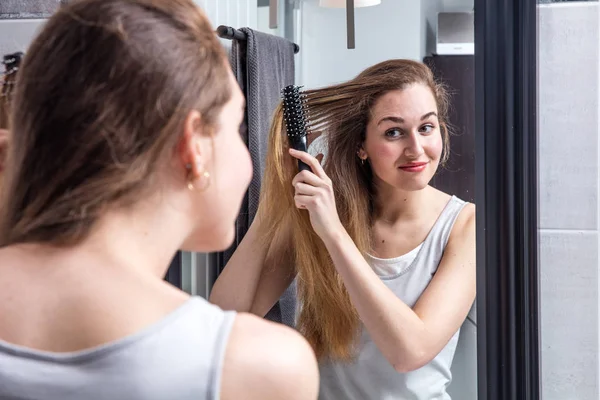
[[216, 241], [226, 240], [412, 185]]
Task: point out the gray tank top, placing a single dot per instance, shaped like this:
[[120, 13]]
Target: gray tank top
[[371, 376], [179, 357]]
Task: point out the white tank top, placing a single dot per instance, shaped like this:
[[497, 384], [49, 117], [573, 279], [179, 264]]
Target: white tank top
[[179, 357], [371, 376]]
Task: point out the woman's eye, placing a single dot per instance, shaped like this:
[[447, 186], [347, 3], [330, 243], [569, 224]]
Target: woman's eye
[[393, 133], [427, 128]]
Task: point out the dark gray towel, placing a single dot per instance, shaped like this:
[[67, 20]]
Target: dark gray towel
[[263, 64], [237, 58], [270, 67]]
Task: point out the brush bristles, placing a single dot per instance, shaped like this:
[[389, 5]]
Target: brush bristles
[[294, 111]]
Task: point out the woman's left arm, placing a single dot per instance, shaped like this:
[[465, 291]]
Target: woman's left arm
[[408, 338]]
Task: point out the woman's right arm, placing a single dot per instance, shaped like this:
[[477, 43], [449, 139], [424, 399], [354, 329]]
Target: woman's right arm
[[268, 361], [257, 273]]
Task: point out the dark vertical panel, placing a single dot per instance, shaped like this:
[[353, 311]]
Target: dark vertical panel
[[506, 195]]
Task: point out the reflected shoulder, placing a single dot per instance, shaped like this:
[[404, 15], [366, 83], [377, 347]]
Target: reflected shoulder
[[464, 227]]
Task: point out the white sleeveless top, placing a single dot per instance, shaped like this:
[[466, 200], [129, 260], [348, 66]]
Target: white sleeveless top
[[371, 376], [179, 357]]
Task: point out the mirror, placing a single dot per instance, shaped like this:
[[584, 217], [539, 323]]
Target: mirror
[[439, 34]]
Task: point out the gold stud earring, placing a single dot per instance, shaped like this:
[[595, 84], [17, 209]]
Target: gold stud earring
[[203, 175], [190, 178], [362, 160]]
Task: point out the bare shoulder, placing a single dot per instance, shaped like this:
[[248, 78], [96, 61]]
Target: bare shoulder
[[265, 361], [467, 215], [464, 227]]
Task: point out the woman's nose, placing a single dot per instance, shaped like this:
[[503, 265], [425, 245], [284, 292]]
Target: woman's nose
[[414, 146]]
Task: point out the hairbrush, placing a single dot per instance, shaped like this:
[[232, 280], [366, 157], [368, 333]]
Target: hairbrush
[[294, 115]]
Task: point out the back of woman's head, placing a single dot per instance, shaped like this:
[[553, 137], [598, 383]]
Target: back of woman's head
[[341, 113], [100, 102]]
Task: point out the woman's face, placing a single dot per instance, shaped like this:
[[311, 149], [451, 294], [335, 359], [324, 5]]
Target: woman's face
[[403, 141]]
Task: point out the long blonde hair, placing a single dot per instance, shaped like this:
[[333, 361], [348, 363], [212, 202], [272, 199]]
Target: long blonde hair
[[328, 319]]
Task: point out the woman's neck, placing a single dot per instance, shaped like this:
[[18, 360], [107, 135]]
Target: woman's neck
[[393, 205], [141, 240], [144, 241]]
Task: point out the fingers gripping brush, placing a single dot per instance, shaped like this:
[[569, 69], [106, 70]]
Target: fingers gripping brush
[[294, 115]]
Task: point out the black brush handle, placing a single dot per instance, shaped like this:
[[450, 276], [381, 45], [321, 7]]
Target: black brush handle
[[299, 143]]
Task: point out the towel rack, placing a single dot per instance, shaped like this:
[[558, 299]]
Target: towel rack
[[227, 32]]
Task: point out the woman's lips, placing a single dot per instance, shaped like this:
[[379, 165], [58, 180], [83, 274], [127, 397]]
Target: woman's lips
[[414, 167]]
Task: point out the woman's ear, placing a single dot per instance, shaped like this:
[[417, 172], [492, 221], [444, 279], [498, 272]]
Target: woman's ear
[[195, 152], [195, 146], [362, 154]]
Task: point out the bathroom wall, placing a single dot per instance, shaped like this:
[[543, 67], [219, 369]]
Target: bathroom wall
[[17, 9], [20, 20], [389, 30], [393, 29], [569, 160]]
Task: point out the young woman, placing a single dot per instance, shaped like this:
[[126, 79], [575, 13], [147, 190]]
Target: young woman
[[124, 148], [385, 262]]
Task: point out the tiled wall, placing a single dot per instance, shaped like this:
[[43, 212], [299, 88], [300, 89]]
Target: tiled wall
[[568, 191]]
